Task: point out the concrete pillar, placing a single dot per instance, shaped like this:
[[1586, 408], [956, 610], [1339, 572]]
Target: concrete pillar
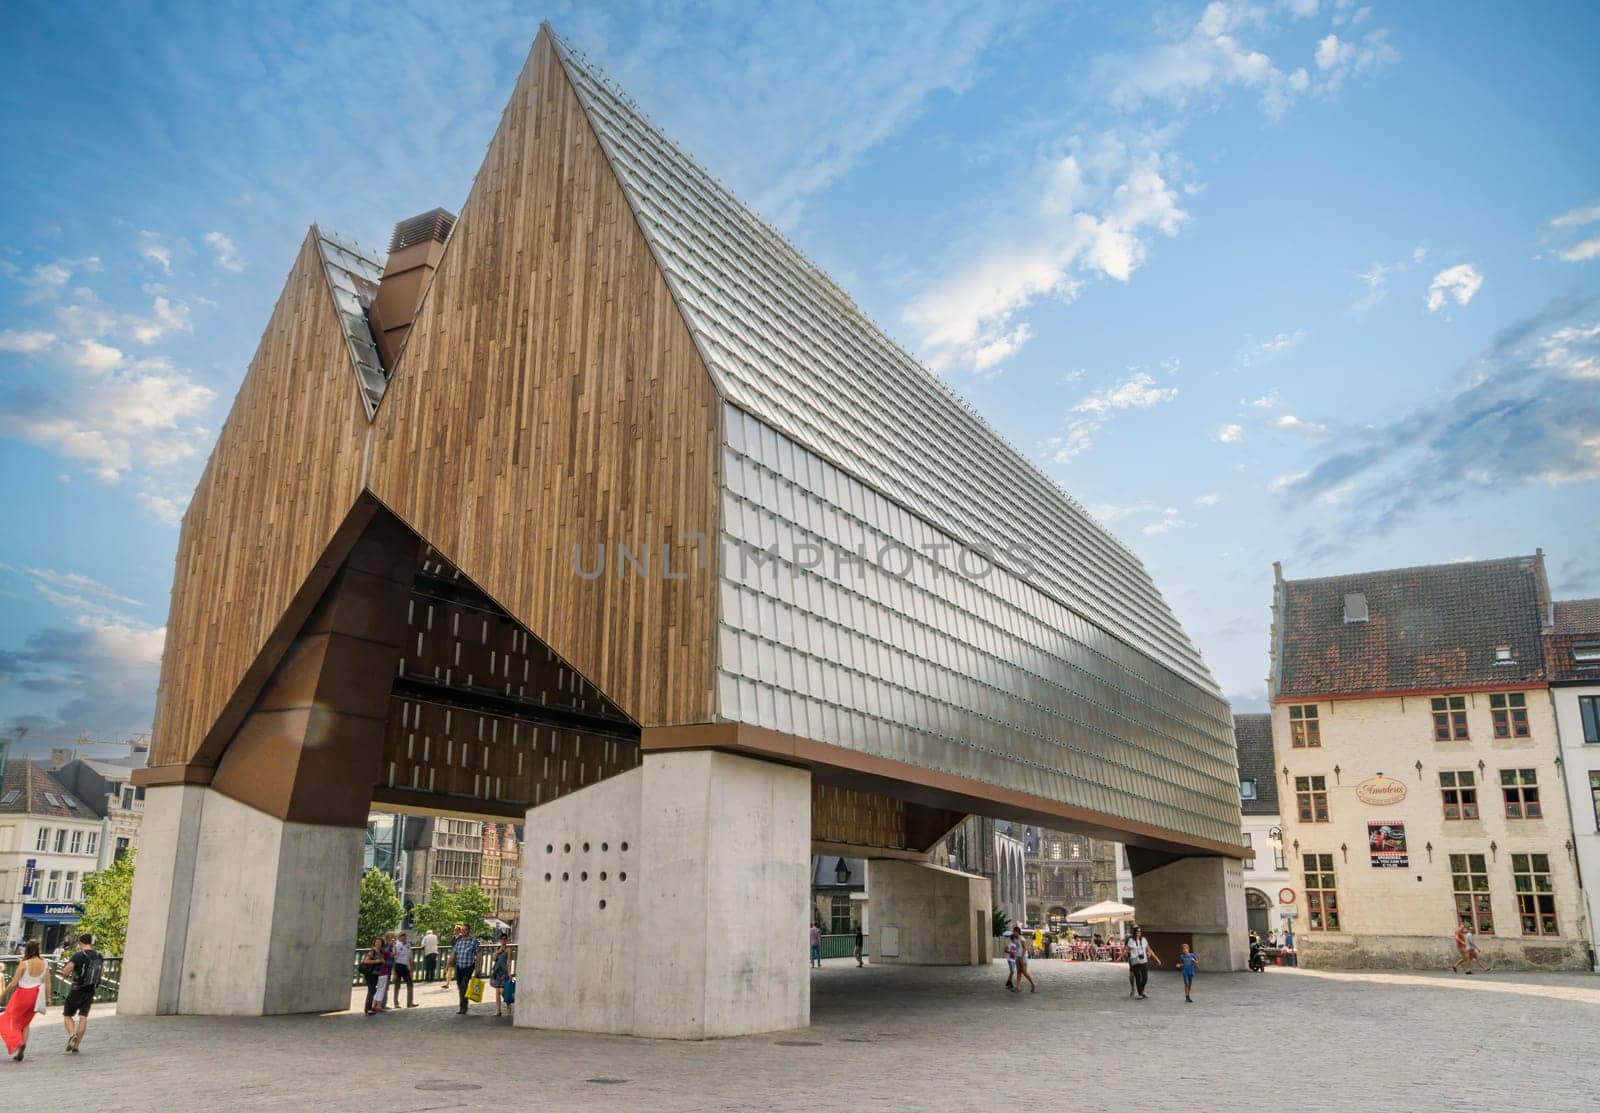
[[926, 915], [670, 901], [238, 913], [1199, 901]]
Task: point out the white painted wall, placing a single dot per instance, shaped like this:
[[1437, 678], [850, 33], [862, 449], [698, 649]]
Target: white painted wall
[[1406, 917], [1579, 760]]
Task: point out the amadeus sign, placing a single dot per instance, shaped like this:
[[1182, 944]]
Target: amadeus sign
[[1380, 791]]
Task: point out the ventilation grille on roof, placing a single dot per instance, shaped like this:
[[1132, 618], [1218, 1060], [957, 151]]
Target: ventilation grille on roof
[[1355, 607], [433, 225]]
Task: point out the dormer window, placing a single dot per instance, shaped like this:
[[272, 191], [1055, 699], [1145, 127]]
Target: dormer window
[[1586, 653], [1503, 655], [1247, 788], [1355, 607]]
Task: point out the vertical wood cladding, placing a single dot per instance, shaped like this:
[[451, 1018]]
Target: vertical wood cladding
[[284, 475], [549, 395]]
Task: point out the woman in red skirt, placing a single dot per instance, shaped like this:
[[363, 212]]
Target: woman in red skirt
[[29, 988]]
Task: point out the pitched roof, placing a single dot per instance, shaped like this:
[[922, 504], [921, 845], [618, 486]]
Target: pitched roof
[[30, 782], [785, 344], [1432, 627], [1573, 622], [1252, 734]]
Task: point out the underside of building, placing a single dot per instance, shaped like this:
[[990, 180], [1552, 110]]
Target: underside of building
[[600, 509]]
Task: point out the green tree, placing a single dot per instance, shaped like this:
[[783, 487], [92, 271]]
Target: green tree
[[436, 914], [1002, 922], [380, 909], [472, 906], [106, 895]]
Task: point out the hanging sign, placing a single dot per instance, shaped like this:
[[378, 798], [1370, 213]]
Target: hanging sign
[[1381, 791]]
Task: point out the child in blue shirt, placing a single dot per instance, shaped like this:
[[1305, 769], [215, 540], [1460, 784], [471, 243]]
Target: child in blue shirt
[[1186, 962]]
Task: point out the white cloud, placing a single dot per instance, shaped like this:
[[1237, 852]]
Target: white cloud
[[1091, 214], [1581, 252], [1268, 401], [226, 250], [115, 418], [1206, 59], [167, 316], [1376, 279], [160, 255], [1001, 348], [1090, 414], [1289, 423], [1169, 520], [1268, 350], [1336, 58], [1230, 434], [1458, 283], [28, 341], [1578, 217], [95, 357], [1210, 499]]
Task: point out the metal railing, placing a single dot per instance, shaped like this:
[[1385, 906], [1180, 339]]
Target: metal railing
[[841, 946], [446, 969], [61, 985]]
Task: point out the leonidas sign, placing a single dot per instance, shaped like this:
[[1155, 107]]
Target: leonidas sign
[[1380, 790]]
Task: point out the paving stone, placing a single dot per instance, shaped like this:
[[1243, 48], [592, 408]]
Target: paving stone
[[885, 1038]]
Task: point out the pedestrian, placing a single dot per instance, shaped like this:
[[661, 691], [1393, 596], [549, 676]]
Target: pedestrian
[[1286, 947], [372, 971], [464, 956], [816, 945], [1022, 962], [500, 971], [1467, 949], [1011, 961], [1186, 963], [1139, 955], [84, 968], [430, 955], [29, 988], [861, 945], [402, 971]]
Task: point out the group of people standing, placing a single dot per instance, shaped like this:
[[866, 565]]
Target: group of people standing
[[1139, 955], [27, 993], [386, 965]]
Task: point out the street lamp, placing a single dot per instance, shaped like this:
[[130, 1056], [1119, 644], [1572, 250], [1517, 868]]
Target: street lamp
[[842, 872]]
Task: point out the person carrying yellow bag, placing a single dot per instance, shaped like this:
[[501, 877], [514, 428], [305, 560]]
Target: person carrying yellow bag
[[464, 952]]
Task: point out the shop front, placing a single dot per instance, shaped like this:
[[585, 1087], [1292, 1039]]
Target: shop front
[[49, 922]]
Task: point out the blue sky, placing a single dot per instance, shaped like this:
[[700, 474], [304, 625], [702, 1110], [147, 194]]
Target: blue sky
[[1298, 281]]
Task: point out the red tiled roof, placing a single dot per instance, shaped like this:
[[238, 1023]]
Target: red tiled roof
[[31, 781], [1574, 622], [1433, 627]]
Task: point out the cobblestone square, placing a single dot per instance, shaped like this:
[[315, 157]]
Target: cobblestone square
[[885, 1038]]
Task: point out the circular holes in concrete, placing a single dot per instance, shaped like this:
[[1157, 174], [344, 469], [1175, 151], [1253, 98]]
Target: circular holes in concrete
[[566, 848], [602, 875], [584, 876], [623, 876], [547, 877], [586, 848], [565, 876], [602, 904], [624, 848], [549, 848], [604, 847]]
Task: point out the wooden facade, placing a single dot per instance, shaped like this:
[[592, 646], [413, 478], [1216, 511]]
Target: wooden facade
[[549, 397], [283, 479]]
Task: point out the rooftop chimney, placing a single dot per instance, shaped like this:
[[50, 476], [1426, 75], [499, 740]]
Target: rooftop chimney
[[414, 253]]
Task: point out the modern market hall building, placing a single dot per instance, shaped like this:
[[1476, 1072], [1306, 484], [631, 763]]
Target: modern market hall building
[[600, 509]]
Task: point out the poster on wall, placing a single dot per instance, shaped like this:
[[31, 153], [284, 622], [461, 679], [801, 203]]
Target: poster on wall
[[1387, 844]]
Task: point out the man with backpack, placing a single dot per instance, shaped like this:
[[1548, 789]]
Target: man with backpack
[[83, 970]]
